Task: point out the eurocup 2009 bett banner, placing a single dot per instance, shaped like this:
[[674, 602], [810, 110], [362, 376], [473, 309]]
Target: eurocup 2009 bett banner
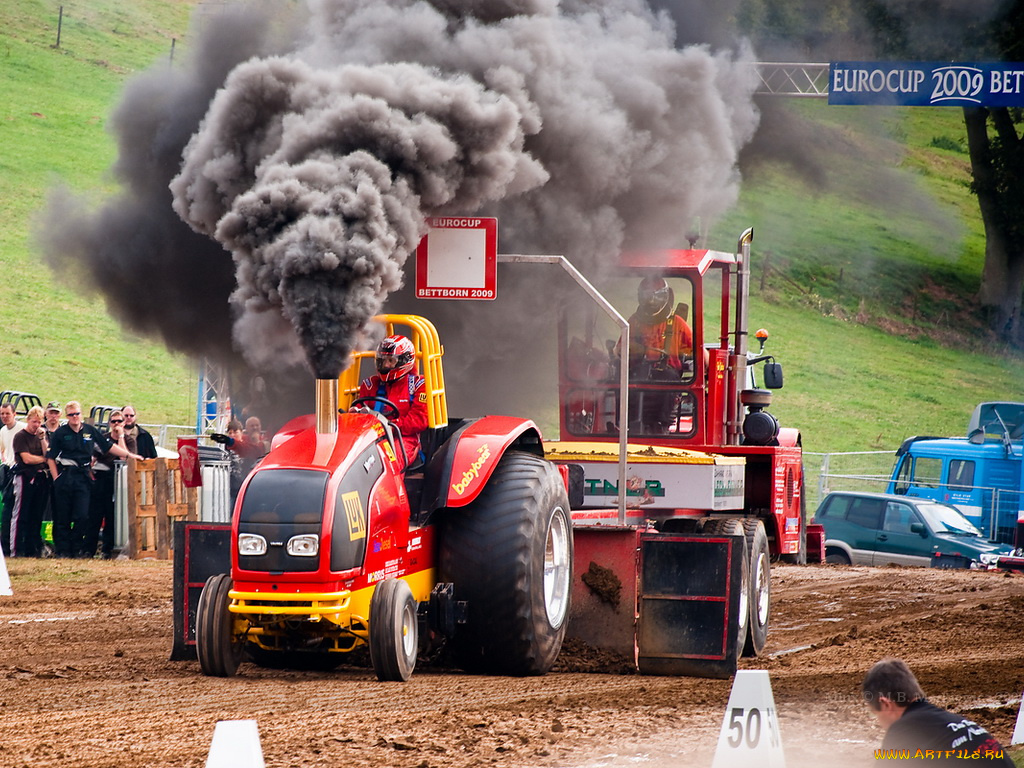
[[926, 84]]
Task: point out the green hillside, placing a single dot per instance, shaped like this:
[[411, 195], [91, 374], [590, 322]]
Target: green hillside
[[56, 100], [864, 277]]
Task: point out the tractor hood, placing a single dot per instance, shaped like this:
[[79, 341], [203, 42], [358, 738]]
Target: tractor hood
[[306, 504]]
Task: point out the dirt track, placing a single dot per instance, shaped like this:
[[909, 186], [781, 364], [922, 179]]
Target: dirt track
[[85, 681]]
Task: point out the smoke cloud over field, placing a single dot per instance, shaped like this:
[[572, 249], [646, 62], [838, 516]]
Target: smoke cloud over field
[[277, 181], [316, 181]]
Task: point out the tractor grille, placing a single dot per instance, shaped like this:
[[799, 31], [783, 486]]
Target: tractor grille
[[277, 557], [278, 505]]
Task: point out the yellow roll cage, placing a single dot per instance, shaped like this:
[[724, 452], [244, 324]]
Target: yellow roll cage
[[429, 352]]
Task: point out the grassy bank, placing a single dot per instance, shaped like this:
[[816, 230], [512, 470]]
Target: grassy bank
[[60, 343]]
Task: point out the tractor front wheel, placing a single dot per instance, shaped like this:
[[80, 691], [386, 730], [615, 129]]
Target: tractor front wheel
[[393, 631], [509, 554], [218, 650]]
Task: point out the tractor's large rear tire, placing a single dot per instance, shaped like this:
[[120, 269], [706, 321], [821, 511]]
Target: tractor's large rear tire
[[509, 554], [760, 586], [218, 650], [718, 526], [394, 632]]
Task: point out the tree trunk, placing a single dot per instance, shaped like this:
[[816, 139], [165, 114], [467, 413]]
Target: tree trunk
[[1002, 277]]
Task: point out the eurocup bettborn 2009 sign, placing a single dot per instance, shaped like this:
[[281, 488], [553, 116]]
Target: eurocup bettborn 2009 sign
[[926, 84]]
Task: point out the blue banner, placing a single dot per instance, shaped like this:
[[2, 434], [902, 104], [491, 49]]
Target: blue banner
[[926, 84]]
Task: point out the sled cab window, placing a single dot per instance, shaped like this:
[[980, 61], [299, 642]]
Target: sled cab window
[[661, 332], [661, 364], [285, 496]]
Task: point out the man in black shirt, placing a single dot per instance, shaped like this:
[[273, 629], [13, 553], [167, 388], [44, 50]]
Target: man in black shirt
[[70, 462], [920, 733], [136, 438], [31, 486]]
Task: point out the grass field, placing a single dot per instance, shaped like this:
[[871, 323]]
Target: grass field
[[864, 279], [61, 343]]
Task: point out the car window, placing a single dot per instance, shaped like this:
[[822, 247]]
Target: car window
[[865, 512], [946, 519], [898, 518], [835, 507]]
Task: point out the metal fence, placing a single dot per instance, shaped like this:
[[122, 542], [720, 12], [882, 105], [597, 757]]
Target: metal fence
[[847, 471], [166, 435]]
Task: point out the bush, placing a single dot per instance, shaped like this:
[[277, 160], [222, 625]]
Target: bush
[[944, 142]]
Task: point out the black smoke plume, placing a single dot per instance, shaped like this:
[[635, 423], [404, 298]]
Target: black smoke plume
[[311, 144], [317, 181]]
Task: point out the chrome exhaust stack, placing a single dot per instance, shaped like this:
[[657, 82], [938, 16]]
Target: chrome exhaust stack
[[326, 406]]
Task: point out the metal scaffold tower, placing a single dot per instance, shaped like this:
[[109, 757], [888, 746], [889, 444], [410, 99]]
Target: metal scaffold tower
[[214, 401], [790, 79]]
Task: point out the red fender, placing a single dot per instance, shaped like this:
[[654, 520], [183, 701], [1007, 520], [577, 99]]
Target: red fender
[[480, 446]]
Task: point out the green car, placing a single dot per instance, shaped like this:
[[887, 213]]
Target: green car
[[884, 529]]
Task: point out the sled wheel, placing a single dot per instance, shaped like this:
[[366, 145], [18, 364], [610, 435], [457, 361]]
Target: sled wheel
[[219, 653], [509, 554], [393, 630], [717, 526], [760, 586]]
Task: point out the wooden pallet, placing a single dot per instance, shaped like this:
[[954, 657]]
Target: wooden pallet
[[156, 498]]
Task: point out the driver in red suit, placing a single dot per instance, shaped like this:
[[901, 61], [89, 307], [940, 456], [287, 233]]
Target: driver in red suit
[[396, 380]]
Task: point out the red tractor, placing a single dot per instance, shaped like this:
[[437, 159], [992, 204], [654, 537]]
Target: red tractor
[[336, 543]]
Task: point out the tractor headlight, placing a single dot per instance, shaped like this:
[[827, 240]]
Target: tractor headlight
[[251, 544], [307, 545]]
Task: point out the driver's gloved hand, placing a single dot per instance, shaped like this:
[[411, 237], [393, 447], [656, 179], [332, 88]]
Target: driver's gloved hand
[[217, 437]]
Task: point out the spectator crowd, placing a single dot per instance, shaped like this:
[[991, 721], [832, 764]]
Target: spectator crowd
[[54, 466]]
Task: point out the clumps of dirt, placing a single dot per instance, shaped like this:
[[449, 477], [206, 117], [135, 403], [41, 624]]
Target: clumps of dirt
[[577, 656], [603, 583]]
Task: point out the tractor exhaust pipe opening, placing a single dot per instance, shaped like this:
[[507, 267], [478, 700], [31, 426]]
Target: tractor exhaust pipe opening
[[326, 406]]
